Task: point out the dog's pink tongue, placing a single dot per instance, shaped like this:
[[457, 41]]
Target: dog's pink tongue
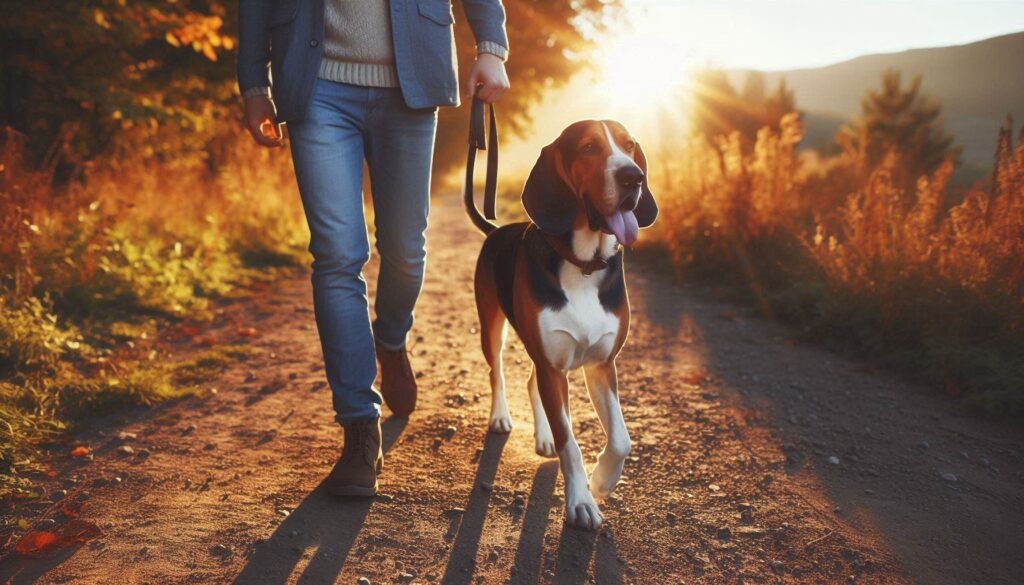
[[623, 225]]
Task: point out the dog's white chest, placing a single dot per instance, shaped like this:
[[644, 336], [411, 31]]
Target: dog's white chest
[[582, 331]]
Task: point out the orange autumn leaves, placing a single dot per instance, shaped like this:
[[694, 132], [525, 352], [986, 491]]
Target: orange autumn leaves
[[201, 32], [72, 532]]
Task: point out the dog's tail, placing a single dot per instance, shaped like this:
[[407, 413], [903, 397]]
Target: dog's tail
[[478, 220]]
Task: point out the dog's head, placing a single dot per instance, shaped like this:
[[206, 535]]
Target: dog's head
[[595, 174]]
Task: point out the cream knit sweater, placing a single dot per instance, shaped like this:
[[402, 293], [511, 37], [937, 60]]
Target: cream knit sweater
[[357, 43]]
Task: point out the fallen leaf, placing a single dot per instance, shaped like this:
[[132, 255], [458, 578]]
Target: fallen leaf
[[247, 332], [79, 451], [36, 541], [74, 532]]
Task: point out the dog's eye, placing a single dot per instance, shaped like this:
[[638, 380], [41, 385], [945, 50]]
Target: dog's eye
[[630, 146], [589, 148]]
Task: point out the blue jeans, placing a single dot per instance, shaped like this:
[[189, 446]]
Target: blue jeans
[[345, 125]]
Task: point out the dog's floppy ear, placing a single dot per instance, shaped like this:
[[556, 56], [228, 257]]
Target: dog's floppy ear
[[646, 208], [548, 200]]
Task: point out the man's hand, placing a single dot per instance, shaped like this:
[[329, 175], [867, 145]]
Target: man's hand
[[261, 120], [489, 74]]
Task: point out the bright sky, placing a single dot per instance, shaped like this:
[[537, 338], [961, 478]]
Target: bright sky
[[789, 34], [640, 67]]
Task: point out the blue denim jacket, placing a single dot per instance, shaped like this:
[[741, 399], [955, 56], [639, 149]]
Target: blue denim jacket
[[283, 40]]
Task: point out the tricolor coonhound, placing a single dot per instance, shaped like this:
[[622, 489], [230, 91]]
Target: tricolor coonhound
[[559, 281]]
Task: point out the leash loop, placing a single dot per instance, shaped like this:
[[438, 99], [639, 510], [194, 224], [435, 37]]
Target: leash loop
[[481, 140]]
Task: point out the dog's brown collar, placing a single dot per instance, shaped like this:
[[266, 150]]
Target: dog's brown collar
[[586, 266]]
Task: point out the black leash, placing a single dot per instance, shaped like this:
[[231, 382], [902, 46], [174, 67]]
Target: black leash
[[477, 141]]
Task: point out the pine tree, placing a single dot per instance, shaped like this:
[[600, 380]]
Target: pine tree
[[902, 120]]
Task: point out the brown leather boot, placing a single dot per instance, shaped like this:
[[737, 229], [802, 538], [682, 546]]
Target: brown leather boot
[[355, 473], [397, 382]]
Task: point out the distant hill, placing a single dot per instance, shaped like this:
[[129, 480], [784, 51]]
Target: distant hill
[[978, 84]]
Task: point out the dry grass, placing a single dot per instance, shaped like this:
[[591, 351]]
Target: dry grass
[[91, 265], [929, 281]]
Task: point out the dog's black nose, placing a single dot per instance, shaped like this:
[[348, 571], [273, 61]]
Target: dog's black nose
[[629, 177]]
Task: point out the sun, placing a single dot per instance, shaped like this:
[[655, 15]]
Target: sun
[[641, 71]]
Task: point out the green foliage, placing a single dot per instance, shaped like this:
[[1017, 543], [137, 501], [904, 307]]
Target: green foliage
[[901, 120]]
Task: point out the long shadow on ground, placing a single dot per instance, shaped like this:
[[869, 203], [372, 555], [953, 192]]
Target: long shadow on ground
[[330, 524]]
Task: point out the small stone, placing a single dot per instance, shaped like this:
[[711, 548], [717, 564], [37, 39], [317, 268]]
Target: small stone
[[923, 445], [385, 497], [406, 577], [948, 476], [143, 453], [455, 511], [220, 550], [189, 429], [964, 455], [778, 567], [47, 523], [724, 533], [122, 436], [833, 460], [450, 432], [126, 450], [363, 581], [714, 487]]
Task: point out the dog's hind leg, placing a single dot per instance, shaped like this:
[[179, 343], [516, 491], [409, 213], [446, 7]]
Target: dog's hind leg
[[492, 340], [603, 386], [544, 442]]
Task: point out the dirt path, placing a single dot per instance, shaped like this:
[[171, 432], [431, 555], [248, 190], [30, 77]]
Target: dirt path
[[732, 478]]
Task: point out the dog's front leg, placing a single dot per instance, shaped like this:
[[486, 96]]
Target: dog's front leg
[[602, 383], [580, 508], [544, 442]]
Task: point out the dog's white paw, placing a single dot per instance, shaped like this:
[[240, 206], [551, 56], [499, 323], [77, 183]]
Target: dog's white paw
[[582, 512], [605, 476], [545, 446], [500, 423]]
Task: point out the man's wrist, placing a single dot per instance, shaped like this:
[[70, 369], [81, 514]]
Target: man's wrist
[[256, 92], [492, 48]]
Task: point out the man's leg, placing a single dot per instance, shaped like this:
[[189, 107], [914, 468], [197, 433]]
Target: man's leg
[[327, 148], [399, 150]]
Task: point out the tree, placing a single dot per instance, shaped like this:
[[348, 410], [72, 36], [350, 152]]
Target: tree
[[549, 42], [79, 77], [719, 110], [902, 121]]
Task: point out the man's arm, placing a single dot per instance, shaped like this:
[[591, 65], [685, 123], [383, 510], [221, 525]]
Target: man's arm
[[487, 20], [254, 44], [254, 71]]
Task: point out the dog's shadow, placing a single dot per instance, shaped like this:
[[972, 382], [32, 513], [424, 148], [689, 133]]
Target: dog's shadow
[[323, 521], [576, 548]]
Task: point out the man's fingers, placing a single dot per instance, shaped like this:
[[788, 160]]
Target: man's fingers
[[471, 84], [260, 138], [486, 93]]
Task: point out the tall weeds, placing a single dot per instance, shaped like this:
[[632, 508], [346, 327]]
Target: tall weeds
[[930, 280]]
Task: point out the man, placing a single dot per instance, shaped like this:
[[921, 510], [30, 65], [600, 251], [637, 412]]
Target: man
[[355, 80]]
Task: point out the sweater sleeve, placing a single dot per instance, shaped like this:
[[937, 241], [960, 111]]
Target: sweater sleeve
[[487, 20]]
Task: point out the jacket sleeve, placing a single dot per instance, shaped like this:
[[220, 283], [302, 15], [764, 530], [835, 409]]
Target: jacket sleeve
[[487, 19], [254, 44]]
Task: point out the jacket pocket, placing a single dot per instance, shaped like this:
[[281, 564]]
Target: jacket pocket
[[284, 12], [439, 11]]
